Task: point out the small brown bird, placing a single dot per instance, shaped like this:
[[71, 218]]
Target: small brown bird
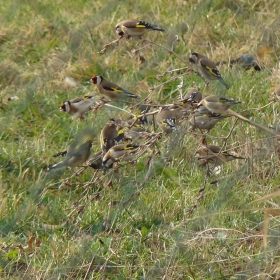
[[206, 68], [217, 104], [134, 27], [77, 107], [110, 90], [204, 121], [121, 152], [167, 120], [110, 135], [134, 132], [193, 94], [191, 99], [78, 152], [96, 161], [213, 154]]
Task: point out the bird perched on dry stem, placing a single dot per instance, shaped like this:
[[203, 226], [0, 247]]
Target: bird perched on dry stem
[[214, 155], [217, 104], [133, 27], [77, 107], [96, 161], [204, 121], [206, 68], [78, 152], [110, 135], [167, 119], [121, 152], [191, 99], [133, 131], [110, 90], [139, 110], [193, 94]]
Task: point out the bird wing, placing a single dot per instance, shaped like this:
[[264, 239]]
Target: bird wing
[[113, 87], [77, 100], [210, 66]]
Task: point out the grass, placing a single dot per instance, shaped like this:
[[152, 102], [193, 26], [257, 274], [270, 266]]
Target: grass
[[166, 221]]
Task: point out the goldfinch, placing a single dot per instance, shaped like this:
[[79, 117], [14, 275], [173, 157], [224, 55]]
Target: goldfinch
[[134, 133], [193, 94], [204, 121], [110, 135], [191, 99], [110, 90], [206, 68], [167, 120], [78, 152], [96, 161], [139, 110], [121, 152], [77, 107], [134, 27], [217, 104], [213, 154]]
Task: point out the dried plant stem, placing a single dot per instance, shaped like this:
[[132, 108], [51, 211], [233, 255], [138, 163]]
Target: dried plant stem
[[108, 45], [118, 108], [232, 113], [173, 71], [260, 108], [90, 267]]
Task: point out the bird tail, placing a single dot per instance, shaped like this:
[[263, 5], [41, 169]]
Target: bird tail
[[150, 26], [158, 29], [224, 83], [128, 94], [57, 166], [237, 157]]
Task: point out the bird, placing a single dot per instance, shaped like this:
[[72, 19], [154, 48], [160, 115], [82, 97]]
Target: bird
[[95, 161], [121, 152], [204, 121], [167, 120], [214, 154], [136, 132], [109, 89], [133, 27], [247, 62], [78, 106], [193, 94], [78, 152], [132, 130], [110, 135], [139, 110], [191, 99], [217, 104], [206, 68]]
